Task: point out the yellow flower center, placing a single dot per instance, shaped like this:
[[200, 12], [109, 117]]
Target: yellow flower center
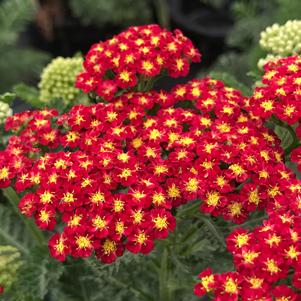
[[160, 222], [83, 242], [173, 191], [242, 240], [68, 197], [213, 198], [109, 247], [158, 198], [99, 223], [141, 238], [46, 197], [231, 286]]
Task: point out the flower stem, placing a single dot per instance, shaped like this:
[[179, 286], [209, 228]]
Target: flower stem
[[162, 13], [189, 209], [164, 292]]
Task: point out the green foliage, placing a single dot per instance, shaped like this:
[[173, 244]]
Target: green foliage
[[12, 231], [287, 10], [234, 65], [284, 135], [7, 97], [14, 15], [16, 63], [9, 264], [251, 18], [36, 277], [116, 12], [28, 94], [32, 273], [231, 81]]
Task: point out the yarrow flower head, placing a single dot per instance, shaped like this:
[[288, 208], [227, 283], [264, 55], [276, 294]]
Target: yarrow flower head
[[58, 78], [280, 94], [112, 196], [283, 40], [135, 58], [236, 160]]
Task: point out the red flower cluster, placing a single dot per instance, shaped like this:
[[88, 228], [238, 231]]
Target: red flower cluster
[[280, 94], [238, 162], [107, 192], [296, 156], [135, 55], [264, 257], [110, 173], [267, 259]]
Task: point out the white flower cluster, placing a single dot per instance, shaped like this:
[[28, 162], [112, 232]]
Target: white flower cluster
[[283, 40], [58, 79], [5, 111]]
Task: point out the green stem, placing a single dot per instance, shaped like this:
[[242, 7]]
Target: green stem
[[188, 210], [84, 292], [163, 13], [251, 223], [164, 292], [13, 199]]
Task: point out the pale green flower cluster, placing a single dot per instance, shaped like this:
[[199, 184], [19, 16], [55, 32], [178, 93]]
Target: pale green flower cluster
[[58, 79], [5, 111], [280, 41], [10, 262], [268, 58], [283, 40]]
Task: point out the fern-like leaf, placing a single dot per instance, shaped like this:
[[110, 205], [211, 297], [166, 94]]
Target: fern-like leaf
[[12, 231], [37, 276], [14, 15]]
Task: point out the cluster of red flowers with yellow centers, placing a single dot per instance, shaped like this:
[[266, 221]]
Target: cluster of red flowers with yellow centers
[[263, 258], [280, 94], [237, 166], [110, 173], [135, 55], [33, 131], [106, 186]]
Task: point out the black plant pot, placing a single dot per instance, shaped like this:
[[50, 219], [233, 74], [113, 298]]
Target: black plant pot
[[206, 25], [202, 19]]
